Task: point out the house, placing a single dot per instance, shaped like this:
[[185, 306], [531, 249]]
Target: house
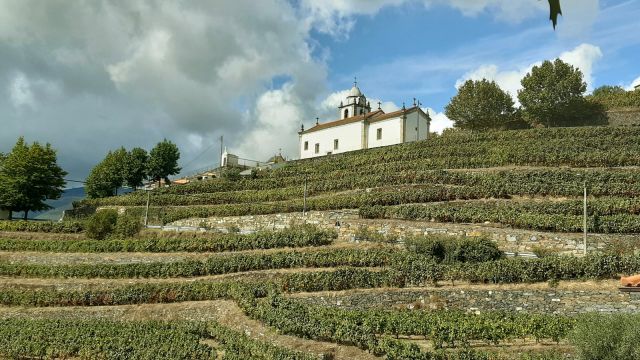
[[360, 128]]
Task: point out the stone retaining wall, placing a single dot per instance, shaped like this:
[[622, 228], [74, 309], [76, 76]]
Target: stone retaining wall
[[568, 302], [348, 224], [624, 117]]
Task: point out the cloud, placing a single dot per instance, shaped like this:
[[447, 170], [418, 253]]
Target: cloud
[[439, 121], [98, 75], [633, 84], [584, 57]]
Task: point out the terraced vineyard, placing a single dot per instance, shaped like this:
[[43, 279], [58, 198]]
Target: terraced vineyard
[[311, 291]]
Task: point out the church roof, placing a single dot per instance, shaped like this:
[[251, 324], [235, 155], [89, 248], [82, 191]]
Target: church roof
[[374, 116]]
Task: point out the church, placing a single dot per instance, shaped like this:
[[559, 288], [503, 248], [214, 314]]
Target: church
[[360, 128]]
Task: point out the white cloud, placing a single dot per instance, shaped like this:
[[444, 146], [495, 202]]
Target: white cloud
[[584, 57], [20, 92], [633, 84], [439, 121]]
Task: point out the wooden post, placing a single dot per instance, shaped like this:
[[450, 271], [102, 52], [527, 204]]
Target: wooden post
[[584, 219], [146, 211], [304, 203]]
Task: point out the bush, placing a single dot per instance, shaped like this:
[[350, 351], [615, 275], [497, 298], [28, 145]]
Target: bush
[[452, 249], [101, 224], [66, 227], [614, 337], [127, 226]]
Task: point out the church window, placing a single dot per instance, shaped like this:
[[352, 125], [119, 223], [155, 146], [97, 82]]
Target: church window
[[346, 113], [361, 111], [335, 144], [317, 148], [379, 134], [306, 145]]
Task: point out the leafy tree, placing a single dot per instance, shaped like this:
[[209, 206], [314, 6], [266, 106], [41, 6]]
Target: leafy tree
[[552, 95], [135, 167], [607, 90], [107, 176], [30, 175], [481, 105], [163, 161]]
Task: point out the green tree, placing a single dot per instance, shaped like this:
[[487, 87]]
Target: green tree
[[481, 105], [552, 95], [608, 90], [107, 176], [29, 176], [163, 161], [135, 167]]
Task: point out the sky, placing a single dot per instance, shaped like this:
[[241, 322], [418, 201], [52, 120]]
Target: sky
[[89, 76]]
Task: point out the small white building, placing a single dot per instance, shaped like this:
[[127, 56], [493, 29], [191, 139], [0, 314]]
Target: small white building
[[229, 159], [360, 128]]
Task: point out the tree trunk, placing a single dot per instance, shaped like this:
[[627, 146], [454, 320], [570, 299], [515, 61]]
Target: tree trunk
[[26, 214], [10, 214]]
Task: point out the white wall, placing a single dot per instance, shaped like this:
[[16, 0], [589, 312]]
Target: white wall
[[349, 138], [391, 132]]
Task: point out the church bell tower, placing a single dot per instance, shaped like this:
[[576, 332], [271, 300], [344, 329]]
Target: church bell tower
[[356, 103]]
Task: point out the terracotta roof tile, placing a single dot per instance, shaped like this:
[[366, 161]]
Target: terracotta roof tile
[[373, 116]]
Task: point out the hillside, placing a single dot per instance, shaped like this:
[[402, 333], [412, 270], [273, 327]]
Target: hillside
[[401, 257], [529, 179]]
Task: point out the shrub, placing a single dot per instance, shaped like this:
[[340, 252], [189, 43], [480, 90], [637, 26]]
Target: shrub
[[101, 224], [127, 226], [473, 250], [614, 337], [452, 249]]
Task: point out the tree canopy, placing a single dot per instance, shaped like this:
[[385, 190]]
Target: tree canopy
[[481, 105], [135, 167], [163, 161], [552, 95], [107, 176], [29, 176]]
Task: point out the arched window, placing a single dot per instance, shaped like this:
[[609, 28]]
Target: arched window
[[361, 111], [346, 113]]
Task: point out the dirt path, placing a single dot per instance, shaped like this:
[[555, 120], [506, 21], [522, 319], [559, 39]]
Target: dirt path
[[224, 311]]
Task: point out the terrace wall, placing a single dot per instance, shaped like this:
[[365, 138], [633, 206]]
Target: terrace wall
[[348, 224], [568, 302]]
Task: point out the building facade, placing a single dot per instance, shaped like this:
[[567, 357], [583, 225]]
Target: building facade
[[360, 128]]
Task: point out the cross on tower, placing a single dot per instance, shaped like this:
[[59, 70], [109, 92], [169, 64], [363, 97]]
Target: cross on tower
[[355, 81], [379, 105]]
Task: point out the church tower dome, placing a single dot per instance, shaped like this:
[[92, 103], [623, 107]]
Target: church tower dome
[[356, 103]]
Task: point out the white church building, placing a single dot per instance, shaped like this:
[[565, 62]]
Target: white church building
[[360, 128]]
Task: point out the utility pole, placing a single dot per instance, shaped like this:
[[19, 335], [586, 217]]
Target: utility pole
[[146, 211], [584, 219], [304, 197]]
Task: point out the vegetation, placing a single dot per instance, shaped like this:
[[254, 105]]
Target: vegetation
[[552, 95], [107, 176], [62, 338], [297, 236], [29, 175], [482, 105], [614, 337], [70, 227], [615, 97], [101, 224], [163, 161]]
